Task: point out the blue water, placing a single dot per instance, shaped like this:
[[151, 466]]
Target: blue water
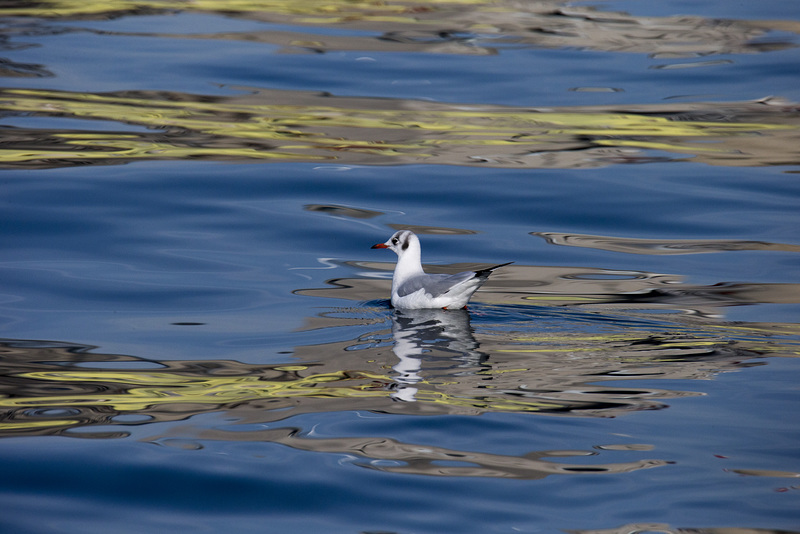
[[205, 344]]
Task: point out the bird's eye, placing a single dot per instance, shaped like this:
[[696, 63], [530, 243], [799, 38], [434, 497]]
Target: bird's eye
[[394, 241]]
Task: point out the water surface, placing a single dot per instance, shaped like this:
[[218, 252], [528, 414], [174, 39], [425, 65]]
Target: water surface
[[196, 336]]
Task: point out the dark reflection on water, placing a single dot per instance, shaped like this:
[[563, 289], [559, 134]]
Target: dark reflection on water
[[444, 27], [595, 288], [660, 246], [10, 69], [427, 363], [391, 456], [424, 362], [662, 528]]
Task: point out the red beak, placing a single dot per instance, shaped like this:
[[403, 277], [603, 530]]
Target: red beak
[[379, 245]]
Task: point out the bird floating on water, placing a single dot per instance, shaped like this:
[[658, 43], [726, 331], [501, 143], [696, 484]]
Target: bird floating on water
[[413, 289]]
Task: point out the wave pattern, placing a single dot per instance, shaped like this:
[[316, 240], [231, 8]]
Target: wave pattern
[[268, 125]]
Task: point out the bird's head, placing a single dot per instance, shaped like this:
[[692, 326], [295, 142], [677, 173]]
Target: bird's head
[[400, 242]]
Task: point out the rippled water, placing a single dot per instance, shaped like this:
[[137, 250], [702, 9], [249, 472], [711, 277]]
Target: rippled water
[[196, 336]]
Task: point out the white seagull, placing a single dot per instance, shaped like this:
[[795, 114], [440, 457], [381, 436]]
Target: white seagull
[[412, 289]]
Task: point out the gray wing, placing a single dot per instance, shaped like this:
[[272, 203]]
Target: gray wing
[[435, 285]]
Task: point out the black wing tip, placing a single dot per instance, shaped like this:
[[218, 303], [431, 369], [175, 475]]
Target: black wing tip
[[488, 270]]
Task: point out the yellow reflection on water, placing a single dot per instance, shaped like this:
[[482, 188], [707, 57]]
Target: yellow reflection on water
[[310, 11], [436, 365], [146, 390], [298, 126]]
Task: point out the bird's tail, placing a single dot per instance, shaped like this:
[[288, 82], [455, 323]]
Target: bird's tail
[[488, 271]]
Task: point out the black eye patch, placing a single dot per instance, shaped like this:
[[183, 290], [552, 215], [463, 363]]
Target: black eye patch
[[405, 245]]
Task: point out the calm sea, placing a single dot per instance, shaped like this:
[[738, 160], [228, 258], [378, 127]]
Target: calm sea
[[197, 337]]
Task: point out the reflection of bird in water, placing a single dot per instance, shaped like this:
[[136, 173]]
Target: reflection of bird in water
[[420, 332], [413, 289]]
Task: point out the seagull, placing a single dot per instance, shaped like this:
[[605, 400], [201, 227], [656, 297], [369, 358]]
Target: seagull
[[412, 289]]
